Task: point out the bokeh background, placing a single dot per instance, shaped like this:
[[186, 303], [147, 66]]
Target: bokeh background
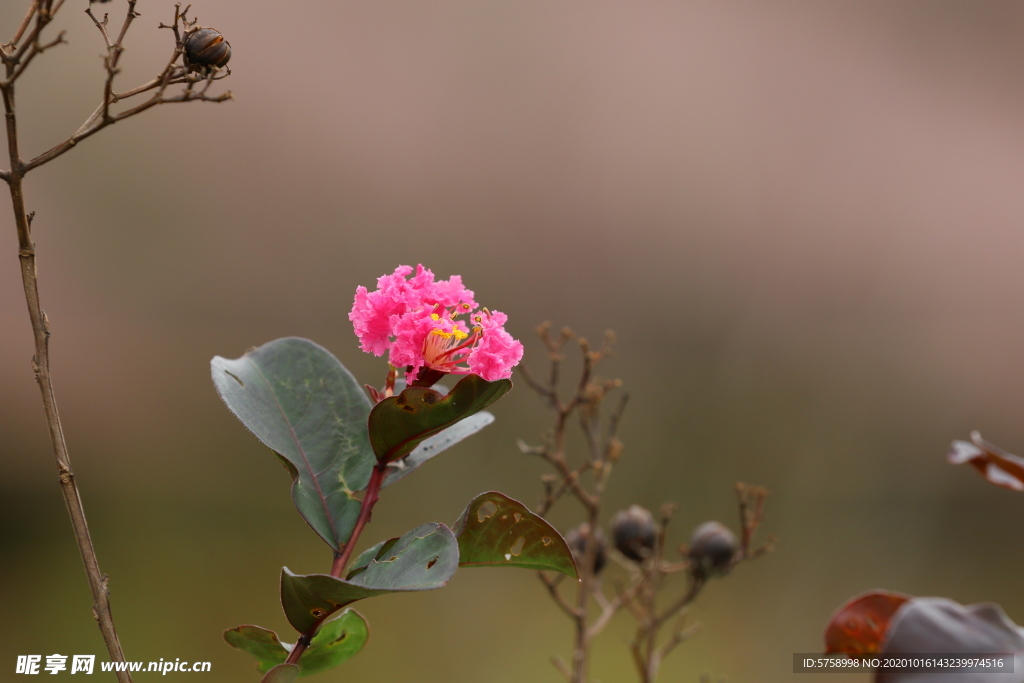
[[802, 218]]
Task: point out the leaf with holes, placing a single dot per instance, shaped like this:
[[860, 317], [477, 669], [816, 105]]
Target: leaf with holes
[[335, 642], [423, 559], [996, 465], [283, 673], [497, 531], [300, 401], [401, 423], [859, 626], [434, 445]]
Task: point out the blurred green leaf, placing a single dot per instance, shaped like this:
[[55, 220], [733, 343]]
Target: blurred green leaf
[[300, 401], [335, 642], [434, 445], [497, 531], [400, 423], [261, 643], [423, 559], [283, 673]]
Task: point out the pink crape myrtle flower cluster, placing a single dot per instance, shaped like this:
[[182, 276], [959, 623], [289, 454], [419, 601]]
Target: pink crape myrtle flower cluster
[[417, 322]]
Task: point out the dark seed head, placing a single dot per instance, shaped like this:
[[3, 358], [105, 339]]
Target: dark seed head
[[634, 532], [207, 47], [577, 542], [712, 549]]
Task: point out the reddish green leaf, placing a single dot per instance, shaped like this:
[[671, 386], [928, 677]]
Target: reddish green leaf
[[995, 464], [400, 423], [859, 626], [497, 531]]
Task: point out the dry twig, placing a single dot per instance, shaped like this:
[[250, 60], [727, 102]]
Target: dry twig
[[585, 481], [16, 56]]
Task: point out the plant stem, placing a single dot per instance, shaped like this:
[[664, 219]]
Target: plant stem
[[372, 496], [41, 367], [341, 559]]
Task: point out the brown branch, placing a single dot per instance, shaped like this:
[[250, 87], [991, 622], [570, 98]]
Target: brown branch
[[30, 47], [544, 391], [566, 478], [552, 586], [16, 57], [562, 667], [679, 635], [101, 25], [611, 608], [32, 8], [98, 582], [171, 74], [70, 143]]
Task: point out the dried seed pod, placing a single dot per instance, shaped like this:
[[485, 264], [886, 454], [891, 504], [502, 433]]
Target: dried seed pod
[[634, 532], [577, 542], [206, 47], [712, 549]]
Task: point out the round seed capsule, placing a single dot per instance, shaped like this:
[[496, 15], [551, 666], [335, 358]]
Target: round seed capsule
[[712, 548], [634, 532], [207, 47]]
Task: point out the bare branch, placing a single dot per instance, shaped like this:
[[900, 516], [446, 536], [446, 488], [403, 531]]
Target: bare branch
[[101, 25], [16, 56], [544, 391], [679, 635], [29, 48], [32, 8], [562, 667], [552, 586]]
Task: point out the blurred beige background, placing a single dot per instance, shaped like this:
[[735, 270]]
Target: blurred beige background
[[802, 218]]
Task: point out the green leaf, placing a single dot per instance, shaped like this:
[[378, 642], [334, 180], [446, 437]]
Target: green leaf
[[497, 531], [423, 559], [335, 642], [284, 673], [400, 423], [434, 445], [261, 643], [300, 401]]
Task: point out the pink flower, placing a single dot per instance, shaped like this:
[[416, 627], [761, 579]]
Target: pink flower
[[416, 320]]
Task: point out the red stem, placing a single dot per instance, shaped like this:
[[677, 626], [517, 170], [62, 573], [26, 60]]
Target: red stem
[[380, 470], [372, 496]]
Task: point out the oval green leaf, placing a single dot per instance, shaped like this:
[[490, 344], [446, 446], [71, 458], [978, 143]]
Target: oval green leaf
[[423, 559], [335, 642], [299, 400], [401, 423], [497, 531]]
